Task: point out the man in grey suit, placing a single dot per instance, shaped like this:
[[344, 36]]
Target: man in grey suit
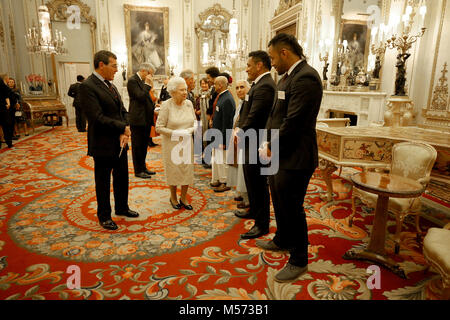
[[253, 117], [141, 117], [294, 114], [224, 108]]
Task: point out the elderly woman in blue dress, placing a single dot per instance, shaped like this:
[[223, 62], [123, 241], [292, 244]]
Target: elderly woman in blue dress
[[175, 123]]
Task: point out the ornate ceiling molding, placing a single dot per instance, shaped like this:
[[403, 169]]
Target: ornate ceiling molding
[[286, 5], [58, 11]]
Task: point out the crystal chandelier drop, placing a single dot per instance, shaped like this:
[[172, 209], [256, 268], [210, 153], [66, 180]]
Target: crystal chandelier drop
[[237, 47], [40, 40]]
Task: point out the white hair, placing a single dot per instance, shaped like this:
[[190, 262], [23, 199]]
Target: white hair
[[147, 67], [174, 83], [247, 85], [187, 74]]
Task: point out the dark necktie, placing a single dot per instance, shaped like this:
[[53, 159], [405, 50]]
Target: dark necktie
[[215, 106], [111, 89], [284, 78]]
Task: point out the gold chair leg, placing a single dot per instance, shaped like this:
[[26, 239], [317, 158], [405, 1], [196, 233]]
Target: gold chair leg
[[350, 221], [399, 219]]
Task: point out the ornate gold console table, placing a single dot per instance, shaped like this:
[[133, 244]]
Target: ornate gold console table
[[372, 147], [39, 107]]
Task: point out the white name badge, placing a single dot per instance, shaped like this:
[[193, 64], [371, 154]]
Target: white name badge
[[247, 97], [217, 109], [281, 95]]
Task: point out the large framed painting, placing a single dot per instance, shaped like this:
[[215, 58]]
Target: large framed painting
[[357, 35], [147, 34]]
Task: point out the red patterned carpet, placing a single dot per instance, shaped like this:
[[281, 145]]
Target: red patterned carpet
[[48, 222]]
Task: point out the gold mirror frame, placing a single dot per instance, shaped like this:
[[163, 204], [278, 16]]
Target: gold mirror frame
[[338, 12]]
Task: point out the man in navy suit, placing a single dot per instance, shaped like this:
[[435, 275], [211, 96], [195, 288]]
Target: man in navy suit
[[294, 114], [224, 108], [108, 135]]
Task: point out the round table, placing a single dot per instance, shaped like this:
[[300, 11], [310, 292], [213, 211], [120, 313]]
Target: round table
[[385, 186]]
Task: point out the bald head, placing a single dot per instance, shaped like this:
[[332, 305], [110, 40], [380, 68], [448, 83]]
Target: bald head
[[221, 84]]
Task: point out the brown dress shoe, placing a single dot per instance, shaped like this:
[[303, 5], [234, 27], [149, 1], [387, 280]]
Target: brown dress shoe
[[243, 205], [223, 188], [215, 184]]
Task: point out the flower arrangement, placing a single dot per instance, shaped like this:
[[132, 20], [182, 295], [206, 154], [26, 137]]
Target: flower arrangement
[[35, 83]]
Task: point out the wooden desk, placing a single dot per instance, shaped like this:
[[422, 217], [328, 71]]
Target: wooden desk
[[37, 108], [372, 147], [385, 186]]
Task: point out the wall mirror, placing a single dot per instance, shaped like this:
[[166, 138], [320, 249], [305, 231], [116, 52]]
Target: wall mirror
[[212, 36], [353, 59]]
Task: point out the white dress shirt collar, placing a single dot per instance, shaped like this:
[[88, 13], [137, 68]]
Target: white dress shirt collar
[[260, 77], [294, 66], [101, 78]]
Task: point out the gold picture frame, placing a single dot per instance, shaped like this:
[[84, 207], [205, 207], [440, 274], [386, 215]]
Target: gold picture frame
[[350, 28], [147, 36]]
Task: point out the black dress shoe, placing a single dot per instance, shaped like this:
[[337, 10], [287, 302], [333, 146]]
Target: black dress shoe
[[254, 233], [109, 225], [270, 246], [186, 206], [176, 207], [129, 214], [151, 173], [143, 175], [244, 215]]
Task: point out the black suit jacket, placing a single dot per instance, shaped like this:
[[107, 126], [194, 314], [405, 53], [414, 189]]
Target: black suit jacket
[[224, 114], [142, 107], [211, 101], [296, 116], [107, 117], [73, 92], [256, 110]]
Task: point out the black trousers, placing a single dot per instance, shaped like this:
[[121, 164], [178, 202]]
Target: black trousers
[[258, 194], [103, 168], [288, 188], [80, 119], [139, 145], [7, 123]]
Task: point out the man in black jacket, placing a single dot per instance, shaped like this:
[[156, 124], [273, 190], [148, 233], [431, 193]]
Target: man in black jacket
[[73, 92], [141, 114], [294, 114], [108, 135], [253, 117], [188, 76], [5, 110]]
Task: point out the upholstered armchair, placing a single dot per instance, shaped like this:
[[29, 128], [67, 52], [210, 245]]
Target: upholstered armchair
[[436, 250], [411, 160]]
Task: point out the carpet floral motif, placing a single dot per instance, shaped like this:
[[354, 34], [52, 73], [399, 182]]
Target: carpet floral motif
[[48, 222]]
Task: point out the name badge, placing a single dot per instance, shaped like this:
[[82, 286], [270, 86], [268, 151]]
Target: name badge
[[247, 97], [217, 109], [281, 95]]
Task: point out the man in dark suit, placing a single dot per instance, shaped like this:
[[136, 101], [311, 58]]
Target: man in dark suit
[[6, 121], [294, 114], [73, 92], [141, 115], [254, 114], [108, 135], [223, 114]]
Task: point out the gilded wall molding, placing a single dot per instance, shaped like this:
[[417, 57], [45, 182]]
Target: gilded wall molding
[[436, 54], [58, 13], [440, 96], [286, 5], [2, 30]]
